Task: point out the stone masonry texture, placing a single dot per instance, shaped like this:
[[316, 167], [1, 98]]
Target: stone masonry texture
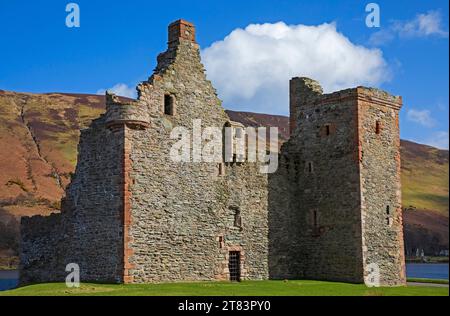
[[133, 215]]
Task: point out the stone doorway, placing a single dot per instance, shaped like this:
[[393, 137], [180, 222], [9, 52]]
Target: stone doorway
[[234, 266]]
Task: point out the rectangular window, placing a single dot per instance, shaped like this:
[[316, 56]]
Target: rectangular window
[[378, 128], [326, 130], [168, 105]]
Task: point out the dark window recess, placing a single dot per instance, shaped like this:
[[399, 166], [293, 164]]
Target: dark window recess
[[227, 147], [168, 105], [316, 229], [388, 210], [378, 128], [221, 169], [234, 266], [327, 130], [310, 167], [220, 242], [237, 217]]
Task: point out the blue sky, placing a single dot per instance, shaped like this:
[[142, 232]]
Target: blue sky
[[117, 43]]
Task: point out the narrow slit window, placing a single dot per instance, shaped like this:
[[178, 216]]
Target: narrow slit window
[[221, 169], [237, 216], [237, 219], [388, 210], [310, 167], [169, 105], [327, 130], [315, 219]]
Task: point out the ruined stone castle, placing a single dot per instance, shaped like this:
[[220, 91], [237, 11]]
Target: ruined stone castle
[[332, 210]]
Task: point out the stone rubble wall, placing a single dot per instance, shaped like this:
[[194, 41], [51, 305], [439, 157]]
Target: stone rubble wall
[[324, 239], [343, 176], [88, 231], [39, 248], [381, 186], [182, 225]]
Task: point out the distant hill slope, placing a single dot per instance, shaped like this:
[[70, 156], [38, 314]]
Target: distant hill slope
[[425, 177], [38, 151]]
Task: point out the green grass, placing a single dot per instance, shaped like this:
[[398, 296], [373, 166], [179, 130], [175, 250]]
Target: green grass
[[249, 288], [432, 281]]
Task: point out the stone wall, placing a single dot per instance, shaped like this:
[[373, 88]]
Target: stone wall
[[183, 214], [343, 163], [40, 242], [321, 165], [380, 183], [88, 231]]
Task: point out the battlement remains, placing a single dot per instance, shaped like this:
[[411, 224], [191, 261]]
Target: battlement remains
[[130, 113]]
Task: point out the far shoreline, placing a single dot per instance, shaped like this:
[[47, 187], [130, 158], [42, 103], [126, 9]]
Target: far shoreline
[[427, 260]]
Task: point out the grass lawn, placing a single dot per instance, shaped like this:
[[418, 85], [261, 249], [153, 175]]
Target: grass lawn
[[249, 288]]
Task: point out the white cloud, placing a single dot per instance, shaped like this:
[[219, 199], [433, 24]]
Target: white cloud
[[421, 117], [251, 67], [423, 25], [439, 140], [121, 89]]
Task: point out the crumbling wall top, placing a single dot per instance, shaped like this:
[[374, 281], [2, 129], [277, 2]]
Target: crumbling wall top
[[119, 112]]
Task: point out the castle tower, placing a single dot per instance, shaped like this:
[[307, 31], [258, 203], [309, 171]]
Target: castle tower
[[348, 198]]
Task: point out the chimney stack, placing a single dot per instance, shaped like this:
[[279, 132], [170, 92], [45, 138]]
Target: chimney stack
[[181, 30]]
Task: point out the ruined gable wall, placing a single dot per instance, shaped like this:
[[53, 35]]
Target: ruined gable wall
[[380, 182], [180, 211]]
